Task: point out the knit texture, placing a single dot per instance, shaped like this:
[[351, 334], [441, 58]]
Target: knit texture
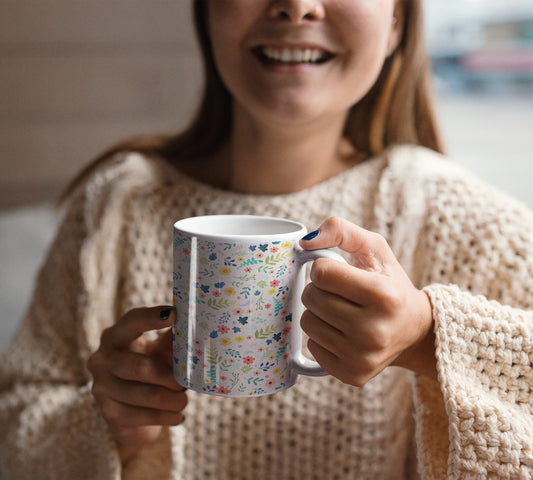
[[466, 244]]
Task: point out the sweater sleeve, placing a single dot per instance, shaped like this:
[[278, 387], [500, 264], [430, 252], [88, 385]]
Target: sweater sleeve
[[51, 426], [475, 257], [484, 353]]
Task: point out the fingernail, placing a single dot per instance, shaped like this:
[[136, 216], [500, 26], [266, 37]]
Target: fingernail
[[311, 235], [164, 314]]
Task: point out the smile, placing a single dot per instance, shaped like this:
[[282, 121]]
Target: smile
[[292, 56]]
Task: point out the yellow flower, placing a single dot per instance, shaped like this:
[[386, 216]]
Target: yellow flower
[[225, 341], [230, 291], [272, 291], [240, 259], [178, 333], [286, 245], [271, 357], [276, 371], [225, 271], [239, 339]]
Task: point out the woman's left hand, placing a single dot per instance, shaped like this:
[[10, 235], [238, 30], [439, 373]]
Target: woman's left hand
[[364, 317]]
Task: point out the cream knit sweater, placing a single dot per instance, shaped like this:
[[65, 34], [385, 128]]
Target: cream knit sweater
[[469, 246]]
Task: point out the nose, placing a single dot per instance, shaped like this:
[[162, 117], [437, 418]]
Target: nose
[[296, 11]]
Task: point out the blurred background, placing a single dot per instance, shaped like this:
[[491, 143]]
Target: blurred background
[[78, 75]]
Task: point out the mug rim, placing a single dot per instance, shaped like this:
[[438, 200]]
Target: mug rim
[[187, 227]]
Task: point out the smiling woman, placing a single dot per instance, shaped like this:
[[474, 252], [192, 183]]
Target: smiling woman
[[320, 111]]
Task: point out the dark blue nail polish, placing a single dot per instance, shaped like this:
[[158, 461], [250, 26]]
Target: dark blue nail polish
[[164, 314], [311, 235]]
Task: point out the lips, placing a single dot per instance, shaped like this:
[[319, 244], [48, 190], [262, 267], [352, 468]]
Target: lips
[[292, 55]]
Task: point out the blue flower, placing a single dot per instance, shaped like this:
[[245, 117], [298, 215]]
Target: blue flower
[[243, 320], [219, 285], [288, 318], [277, 336], [195, 360], [252, 248], [263, 247], [213, 257], [236, 329], [213, 334], [205, 288]]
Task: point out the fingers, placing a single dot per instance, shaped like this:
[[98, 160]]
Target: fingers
[[141, 395], [141, 368], [136, 322], [120, 415], [353, 284], [369, 250], [319, 330]]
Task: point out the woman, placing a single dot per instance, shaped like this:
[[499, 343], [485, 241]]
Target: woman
[[317, 110]]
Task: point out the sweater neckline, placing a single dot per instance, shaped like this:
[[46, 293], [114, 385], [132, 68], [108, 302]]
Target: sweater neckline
[[176, 176]]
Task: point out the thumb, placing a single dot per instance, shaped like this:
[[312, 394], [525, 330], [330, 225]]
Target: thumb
[[369, 250]]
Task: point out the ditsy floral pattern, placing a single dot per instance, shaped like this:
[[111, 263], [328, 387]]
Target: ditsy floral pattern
[[240, 296]]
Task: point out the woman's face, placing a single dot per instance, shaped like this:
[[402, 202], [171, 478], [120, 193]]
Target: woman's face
[[299, 60]]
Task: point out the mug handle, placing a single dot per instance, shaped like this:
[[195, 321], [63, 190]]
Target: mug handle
[[303, 365]]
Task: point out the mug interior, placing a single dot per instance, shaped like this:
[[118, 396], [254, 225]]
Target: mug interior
[[239, 226]]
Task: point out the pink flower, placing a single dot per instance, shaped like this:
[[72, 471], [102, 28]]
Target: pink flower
[[248, 269], [216, 293], [274, 249], [268, 305], [223, 390], [274, 283], [248, 360], [286, 330], [223, 329]]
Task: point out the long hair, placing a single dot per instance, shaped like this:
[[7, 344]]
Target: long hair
[[399, 108]]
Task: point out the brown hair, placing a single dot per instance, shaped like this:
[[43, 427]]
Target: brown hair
[[399, 108]]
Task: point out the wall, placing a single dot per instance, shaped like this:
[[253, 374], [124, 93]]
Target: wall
[[78, 75]]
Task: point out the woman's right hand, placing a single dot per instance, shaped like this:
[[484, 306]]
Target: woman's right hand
[[133, 383]]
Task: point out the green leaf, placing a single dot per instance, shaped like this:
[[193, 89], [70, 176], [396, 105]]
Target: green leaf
[[264, 333], [250, 261], [212, 355], [276, 258], [218, 304]]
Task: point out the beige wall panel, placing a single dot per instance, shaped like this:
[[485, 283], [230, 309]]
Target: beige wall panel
[[40, 159], [63, 87], [78, 75], [45, 23]]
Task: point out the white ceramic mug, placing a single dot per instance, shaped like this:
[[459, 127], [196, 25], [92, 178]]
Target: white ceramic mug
[[238, 280]]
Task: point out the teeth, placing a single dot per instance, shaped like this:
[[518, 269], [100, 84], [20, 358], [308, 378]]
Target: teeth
[[296, 55]]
